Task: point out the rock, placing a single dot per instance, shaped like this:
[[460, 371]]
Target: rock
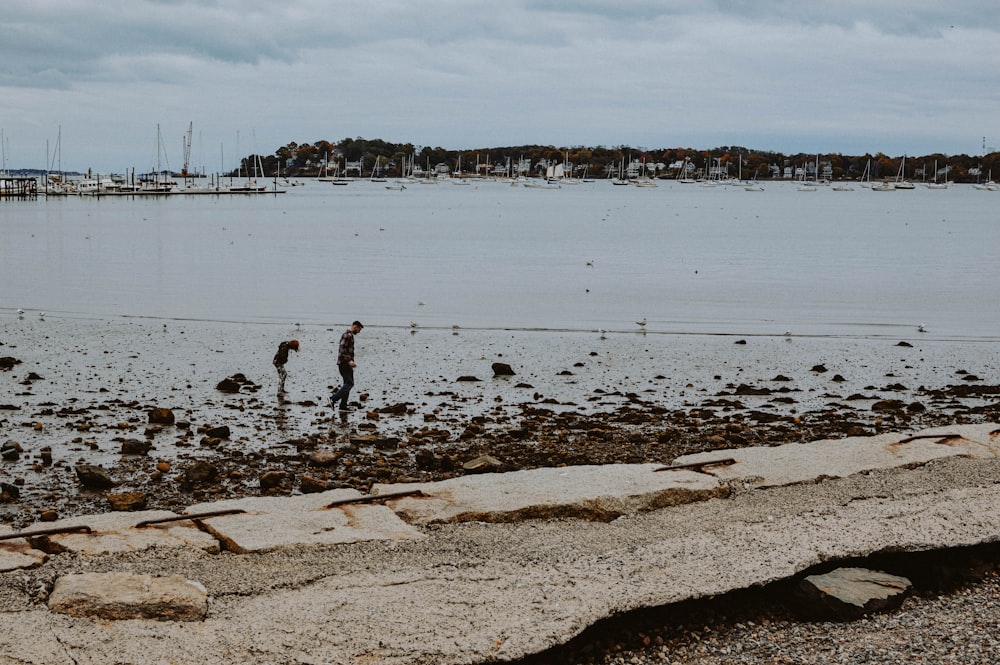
[[502, 369], [395, 409], [467, 377], [888, 406], [228, 386], [272, 479], [161, 416], [378, 442], [819, 369], [46, 455], [744, 389], [482, 464], [311, 485], [200, 472], [221, 432], [9, 492], [94, 477], [426, 460], [11, 450], [135, 447], [7, 363], [846, 594], [904, 344], [127, 501], [324, 458], [118, 596]]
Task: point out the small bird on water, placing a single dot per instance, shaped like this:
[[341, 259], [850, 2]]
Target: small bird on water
[[641, 322]]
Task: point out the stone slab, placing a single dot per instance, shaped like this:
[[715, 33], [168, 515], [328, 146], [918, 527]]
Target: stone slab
[[838, 458], [18, 553], [590, 492], [115, 532], [273, 523], [128, 596], [488, 593]]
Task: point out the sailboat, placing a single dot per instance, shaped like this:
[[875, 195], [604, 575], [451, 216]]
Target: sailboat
[[866, 177], [55, 183], [989, 185], [375, 172], [901, 181], [752, 186], [936, 184]]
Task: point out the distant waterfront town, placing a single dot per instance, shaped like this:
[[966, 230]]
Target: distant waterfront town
[[351, 160]]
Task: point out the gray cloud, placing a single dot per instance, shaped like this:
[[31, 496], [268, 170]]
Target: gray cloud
[[892, 76]]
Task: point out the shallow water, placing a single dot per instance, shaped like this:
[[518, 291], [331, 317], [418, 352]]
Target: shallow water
[[688, 259]]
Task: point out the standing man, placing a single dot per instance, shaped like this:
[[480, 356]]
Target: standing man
[[346, 365]]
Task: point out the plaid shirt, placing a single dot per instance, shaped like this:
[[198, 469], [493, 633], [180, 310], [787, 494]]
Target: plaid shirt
[[345, 353]]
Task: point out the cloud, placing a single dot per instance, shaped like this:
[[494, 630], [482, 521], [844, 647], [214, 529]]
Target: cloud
[[889, 75]]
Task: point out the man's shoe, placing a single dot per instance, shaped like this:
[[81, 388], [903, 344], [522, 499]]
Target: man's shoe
[[345, 409]]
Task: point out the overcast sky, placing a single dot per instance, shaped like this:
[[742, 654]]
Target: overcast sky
[[848, 76]]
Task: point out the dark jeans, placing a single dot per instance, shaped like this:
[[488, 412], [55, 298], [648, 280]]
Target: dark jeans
[[347, 374]]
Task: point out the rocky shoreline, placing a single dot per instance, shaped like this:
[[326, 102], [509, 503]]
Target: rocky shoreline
[[124, 399], [167, 434]]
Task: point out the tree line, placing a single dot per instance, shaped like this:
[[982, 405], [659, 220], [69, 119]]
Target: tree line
[[390, 159]]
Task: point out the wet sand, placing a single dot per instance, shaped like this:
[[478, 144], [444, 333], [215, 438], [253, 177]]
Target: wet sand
[[428, 402]]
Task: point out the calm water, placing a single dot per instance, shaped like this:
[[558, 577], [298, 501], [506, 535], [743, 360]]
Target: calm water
[[689, 259]]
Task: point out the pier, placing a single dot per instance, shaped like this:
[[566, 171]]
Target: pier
[[18, 188]]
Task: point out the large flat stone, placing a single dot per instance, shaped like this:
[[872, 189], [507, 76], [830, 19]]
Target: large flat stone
[[273, 523], [18, 553], [116, 532], [128, 596], [838, 458], [590, 492]]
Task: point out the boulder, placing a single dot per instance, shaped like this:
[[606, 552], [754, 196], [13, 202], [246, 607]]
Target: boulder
[[11, 450], [228, 385], [273, 479], [7, 363], [324, 458], [502, 369], [94, 477], [161, 416], [312, 485], [482, 464], [127, 501], [846, 594], [221, 432], [200, 472], [118, 596], [9, 492], [135, 447]]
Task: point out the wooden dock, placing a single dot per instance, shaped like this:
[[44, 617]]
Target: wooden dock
[[18, 188]]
